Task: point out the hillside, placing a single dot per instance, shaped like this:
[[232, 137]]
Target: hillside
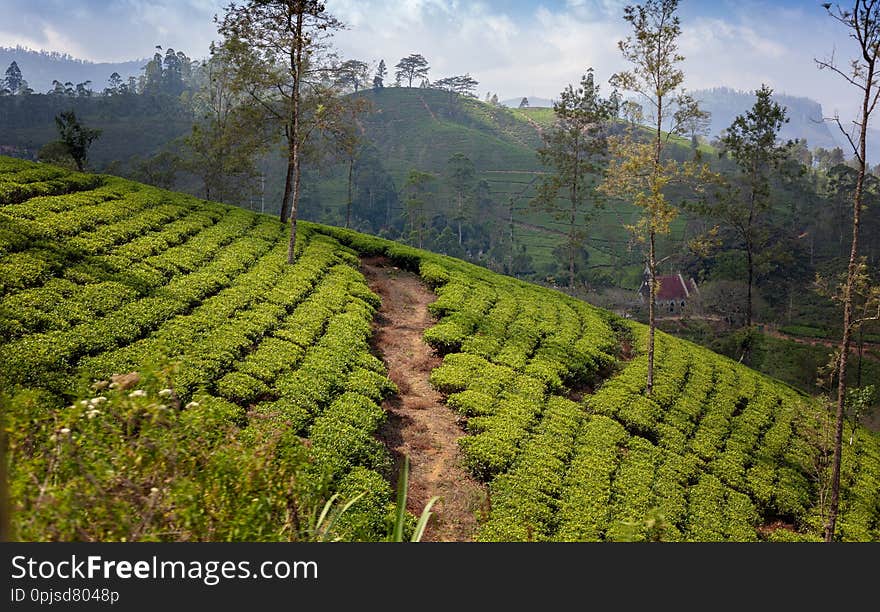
[[422, 128], [260, 390], [534, 102], [410, 128], [41, 68]]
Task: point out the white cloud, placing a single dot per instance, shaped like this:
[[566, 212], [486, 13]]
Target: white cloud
[[46, 37], [533, 54], [512, 50]]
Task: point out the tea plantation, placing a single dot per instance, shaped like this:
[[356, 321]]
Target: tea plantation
[[258, 398]]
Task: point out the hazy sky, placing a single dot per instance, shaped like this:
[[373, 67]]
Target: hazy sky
[[514, 48]]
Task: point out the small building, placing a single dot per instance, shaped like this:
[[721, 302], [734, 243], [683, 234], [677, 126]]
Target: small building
[[673, 293]]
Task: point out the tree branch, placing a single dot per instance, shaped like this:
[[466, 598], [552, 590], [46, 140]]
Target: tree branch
[[830, 66], [836, 119]]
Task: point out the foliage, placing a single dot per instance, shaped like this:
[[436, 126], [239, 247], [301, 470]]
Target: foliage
[[574, 151], [275, 52], [638, 170], [75, 137], [751, 141], [223, 335], [413, 67], [224, 142], [271, 393]]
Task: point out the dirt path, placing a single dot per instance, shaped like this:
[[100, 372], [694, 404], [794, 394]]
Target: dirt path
[[428, 108], [868, 352], [419, 424]]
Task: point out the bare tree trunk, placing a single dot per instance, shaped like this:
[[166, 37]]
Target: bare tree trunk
[[844, 354], [459, 212], [751, 281], [284, 214], [652, 305], [571, 232], [652, 261], [294, 143], [848, 308], [348, 207], [861, 353]]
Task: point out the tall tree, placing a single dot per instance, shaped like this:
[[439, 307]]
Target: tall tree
[[863, 24], [224, 141], [14, 80], [84, 89], [172, 73], [638, 169], [697, 125], [76, 137], [418, 189], [341, 125], [275, 48], [115, 85], [751, 141], [463, 85], [574, 152], [463, 181], [154, 74], [632, 112], [379, 79], [411, 68], [352, 75]]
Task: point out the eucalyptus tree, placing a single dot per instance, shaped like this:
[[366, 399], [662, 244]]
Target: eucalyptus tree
[[279, 50], [862, 22]]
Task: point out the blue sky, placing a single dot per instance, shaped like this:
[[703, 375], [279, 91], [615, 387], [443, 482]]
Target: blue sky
[[514, 48]]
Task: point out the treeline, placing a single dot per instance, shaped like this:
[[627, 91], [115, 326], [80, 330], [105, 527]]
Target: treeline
[[170, 73]]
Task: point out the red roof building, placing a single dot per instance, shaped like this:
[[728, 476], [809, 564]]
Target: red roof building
[[673, 292]]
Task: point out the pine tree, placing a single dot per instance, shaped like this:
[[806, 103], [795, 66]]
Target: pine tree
[[14, 80], [379, 79], [574, 152]]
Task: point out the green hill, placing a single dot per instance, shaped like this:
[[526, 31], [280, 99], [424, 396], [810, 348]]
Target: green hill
[[415, 128], [410, 128], [258, 397]]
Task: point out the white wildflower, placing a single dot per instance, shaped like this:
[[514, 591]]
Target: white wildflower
[[114, 385], [93, 413], [100, 399], [165, 393], [84, 402], [138, 393], [64, 430], [153, 491], [192, 405]]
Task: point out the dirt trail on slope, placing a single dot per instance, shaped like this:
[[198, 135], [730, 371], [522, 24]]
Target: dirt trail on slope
[[869, 347], [419, 424]]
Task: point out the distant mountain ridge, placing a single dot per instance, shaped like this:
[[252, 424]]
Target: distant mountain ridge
[[805, 115], [40, 68]]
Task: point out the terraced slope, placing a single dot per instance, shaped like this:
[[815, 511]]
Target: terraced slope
[[258, 399], [719, 452], [269, 362]]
